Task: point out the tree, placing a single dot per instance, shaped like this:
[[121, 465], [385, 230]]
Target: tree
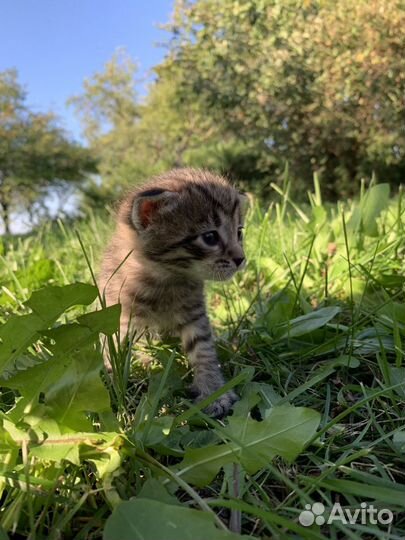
[[135, 139], [249, 85], [317, 83], [35, 153], [109, 111]]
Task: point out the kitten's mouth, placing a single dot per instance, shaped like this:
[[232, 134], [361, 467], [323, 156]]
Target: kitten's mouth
[[222, 271]]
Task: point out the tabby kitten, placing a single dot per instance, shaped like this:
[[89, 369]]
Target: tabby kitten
[[180, 229]]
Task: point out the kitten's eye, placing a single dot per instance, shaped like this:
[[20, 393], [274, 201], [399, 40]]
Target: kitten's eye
[[240, 234], [211, 238]]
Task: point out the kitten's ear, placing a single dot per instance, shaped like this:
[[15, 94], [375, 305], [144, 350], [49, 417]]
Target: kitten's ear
[[147, 205]]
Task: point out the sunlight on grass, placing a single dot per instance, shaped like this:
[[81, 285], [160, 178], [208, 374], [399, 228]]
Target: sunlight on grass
[[310, 335]]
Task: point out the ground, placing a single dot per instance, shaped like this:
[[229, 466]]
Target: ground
[[311, 337]]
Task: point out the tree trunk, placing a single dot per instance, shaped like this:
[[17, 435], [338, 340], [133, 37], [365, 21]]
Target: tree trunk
[[6, 218], [5, 213]]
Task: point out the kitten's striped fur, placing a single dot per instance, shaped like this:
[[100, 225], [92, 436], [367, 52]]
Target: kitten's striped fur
[[180, 229]]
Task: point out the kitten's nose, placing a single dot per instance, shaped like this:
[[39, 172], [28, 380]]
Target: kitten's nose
[[238, 260]]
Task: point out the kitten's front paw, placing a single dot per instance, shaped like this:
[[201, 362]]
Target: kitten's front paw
[[220, 407]]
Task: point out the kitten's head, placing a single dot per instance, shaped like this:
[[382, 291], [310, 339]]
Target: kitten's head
[[191, 223]]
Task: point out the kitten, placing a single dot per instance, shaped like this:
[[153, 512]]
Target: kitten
[[180, 229]]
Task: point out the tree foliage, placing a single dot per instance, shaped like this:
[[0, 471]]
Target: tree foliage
[[317, 83], [134, 138], [109, 112], [250, 85], [35, 153]]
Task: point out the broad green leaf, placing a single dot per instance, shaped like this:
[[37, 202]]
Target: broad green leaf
[[255, 393], [284, 432], [154, 490], [146, 519], [309, 322], [195, 438], [345, 360], [71, 337], [21, 363], [46, 441], [58, 450], [16, 335], [68, 338], [158, 431], [79, 390], [50, 302], [70, 380], [105, 320], [71, 386], [371, 341], [31, 382], [272, 517], [365, 215], [375, 200], [47, 305], [102, 449]]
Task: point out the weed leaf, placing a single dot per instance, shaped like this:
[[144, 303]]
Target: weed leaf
[[284, 432], [309, 322], [146, 519]]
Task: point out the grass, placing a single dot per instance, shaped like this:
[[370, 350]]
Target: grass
[[311, 334]]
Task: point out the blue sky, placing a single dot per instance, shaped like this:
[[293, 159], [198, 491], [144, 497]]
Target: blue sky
[[56, 44]]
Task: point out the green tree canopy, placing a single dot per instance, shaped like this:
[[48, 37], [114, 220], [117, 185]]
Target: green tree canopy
[[317, 83], [109, 112], [35, 153], [135, 138], [250, 85]]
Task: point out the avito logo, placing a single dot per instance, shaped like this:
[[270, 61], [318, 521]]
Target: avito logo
[[367, 513]]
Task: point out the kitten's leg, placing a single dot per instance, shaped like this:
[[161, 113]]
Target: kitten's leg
[[198, 343]]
